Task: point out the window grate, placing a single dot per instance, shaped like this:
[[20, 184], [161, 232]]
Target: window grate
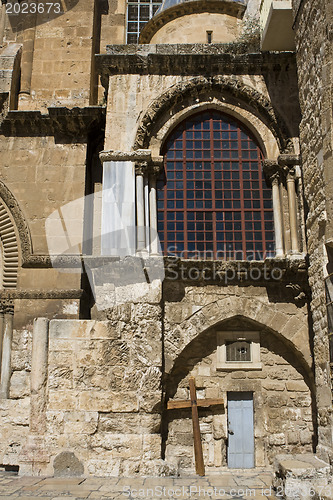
[[238, 351], [138, 14], [213, 201]]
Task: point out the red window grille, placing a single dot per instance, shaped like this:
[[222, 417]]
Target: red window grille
[[212, 198]]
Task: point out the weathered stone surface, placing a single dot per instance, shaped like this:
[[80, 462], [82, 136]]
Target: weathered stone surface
[[66, 464]]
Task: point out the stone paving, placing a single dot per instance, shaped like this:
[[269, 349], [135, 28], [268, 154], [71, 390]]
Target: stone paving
[[225, 485]]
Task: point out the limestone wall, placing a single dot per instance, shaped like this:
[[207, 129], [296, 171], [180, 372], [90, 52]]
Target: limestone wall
[[104, 391], [314, 56], [193, 29], [282, 389]]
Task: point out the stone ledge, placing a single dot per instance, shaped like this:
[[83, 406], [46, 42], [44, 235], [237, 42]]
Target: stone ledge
[[301, 476], [64, 122], [189, 59]]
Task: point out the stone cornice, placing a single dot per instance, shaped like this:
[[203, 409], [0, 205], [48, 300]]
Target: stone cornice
[[289, 160], [6, 295], [188, 59], [283, 272], [137, 155], [63, 122], [229, 7]]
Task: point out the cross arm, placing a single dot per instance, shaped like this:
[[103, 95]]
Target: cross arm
[[178, 404]]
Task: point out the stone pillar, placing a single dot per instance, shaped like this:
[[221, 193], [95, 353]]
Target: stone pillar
[[153, 216], [289, 163], [27, 58], [277, 215], [118, 209], [6, 351], [39, 369], [2, 22], [119, 201], [291, 188], [2, 322], [272, 171], [140, 208], [146, 196]]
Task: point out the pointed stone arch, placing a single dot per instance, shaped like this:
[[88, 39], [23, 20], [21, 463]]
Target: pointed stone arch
[[226, 86], [289, 326]]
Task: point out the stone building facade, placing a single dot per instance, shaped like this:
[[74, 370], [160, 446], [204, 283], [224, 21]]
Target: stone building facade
[[100, 325]]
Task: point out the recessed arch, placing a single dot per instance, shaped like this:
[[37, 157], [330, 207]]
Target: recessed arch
[[263, 135], [192, 92], [14, 237], [292, 329]]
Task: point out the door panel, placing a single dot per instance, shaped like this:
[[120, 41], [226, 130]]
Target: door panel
[[240, 430]]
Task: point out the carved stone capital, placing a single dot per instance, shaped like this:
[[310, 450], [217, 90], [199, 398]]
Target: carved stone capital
[[137, 155], [290, 173], [6, 307], [156, 166], [272, 171], [141, 167], [155, 170]]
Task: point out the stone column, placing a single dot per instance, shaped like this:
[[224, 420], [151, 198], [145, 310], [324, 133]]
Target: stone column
[[118, 209], [28, 47], [6, 351], [146, 196], [153, 215], [277, 215], [2, 22], [272, 171], [291, 188], [289, 163], [140, 208], [119, 201], [38, 378], [2, 322]]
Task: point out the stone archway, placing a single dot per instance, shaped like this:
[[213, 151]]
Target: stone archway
[[227, 86], [283, 392], [288, 324]]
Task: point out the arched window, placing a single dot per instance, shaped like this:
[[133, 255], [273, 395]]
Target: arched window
[[213, 201]]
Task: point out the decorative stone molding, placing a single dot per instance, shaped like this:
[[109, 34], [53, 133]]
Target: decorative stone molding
[[229, 7], [272, 170], [137, 155], [7, 296], [202, 272], [300, 293], [6, 306], [224, 85], [10, 249], [289, 160], [141, 167], [21, 226], [64, 122]]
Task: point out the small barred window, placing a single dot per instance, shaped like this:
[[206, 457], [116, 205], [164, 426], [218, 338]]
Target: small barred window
[[238, 351]]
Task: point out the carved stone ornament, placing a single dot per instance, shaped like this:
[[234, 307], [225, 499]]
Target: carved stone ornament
[[224, 85], [137, 155]]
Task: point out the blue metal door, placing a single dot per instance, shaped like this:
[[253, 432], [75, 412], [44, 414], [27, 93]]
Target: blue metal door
[[240, 430]]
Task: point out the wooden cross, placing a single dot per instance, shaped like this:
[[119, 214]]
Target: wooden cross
[[194, 403]]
